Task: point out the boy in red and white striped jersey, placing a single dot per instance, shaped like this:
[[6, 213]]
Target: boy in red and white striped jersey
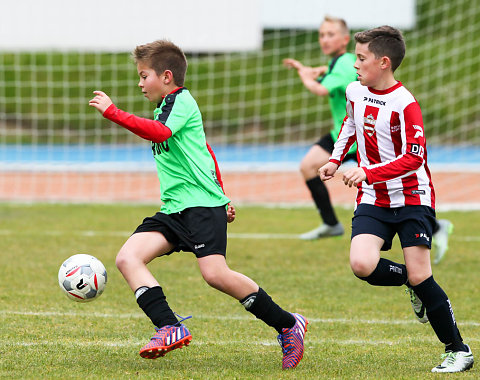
[[395, 190]]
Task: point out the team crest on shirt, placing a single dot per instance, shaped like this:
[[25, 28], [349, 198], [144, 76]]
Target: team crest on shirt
[[369, 125]]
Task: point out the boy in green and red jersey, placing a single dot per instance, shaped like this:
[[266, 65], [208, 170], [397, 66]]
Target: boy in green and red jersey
[[331, 81], [195, 212]]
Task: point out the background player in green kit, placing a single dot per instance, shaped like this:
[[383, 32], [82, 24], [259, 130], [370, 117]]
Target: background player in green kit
[[194, 215], [331, 81]]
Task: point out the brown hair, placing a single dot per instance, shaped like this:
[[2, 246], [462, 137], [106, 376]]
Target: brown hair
[[384, 41], [163, 55], [340, 21]]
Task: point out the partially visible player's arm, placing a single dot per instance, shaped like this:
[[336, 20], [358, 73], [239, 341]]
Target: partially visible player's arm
[[401, 167], [414, 157], [308, 75], [148, 129]]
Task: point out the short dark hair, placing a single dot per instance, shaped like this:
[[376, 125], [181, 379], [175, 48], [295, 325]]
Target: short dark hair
[[384, 41], [163, 55]]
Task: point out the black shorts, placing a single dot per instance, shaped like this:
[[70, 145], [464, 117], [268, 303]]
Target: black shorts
[[201, 230], [326, 142], [413, 224]]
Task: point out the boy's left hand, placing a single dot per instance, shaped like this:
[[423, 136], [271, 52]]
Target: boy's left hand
[[101, 101], [308, 73], [354, 176], [292, 63], [320, 70], [230, 213]]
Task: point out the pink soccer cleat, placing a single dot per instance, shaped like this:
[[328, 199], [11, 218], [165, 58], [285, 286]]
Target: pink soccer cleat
[[291, 341], [166, 339]]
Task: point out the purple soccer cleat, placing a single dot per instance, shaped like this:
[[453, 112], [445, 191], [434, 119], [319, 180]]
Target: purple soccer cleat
[[166, 339], [291, 341]]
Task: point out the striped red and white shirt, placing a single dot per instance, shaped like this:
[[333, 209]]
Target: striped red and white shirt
[[388, 128]]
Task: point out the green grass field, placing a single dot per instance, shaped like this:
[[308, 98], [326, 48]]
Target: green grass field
[[356, 331]]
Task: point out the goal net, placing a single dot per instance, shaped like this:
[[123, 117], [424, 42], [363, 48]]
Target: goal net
[[258, 117]]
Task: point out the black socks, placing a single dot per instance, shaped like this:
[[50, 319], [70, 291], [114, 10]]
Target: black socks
[[440, 314], [322, 200], [437, 305], [261, 305], [153, 302], [387, 273]]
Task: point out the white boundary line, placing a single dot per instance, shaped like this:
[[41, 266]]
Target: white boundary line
[[226, 317], [199, 342]]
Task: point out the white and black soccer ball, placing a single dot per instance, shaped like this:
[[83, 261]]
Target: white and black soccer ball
[[82, 277]]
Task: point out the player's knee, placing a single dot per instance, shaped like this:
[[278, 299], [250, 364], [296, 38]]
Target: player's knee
[[214, 278], [303, 167], [416, 278], [122, 260], [307, 169], [361, 268]]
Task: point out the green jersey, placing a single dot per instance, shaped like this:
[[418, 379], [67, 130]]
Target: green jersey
[[185, 167], [339, 75]]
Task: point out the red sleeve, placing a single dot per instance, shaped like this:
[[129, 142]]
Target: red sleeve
[[335, 161], [399, 168], [147, 129], [414, 156], [217, 169]]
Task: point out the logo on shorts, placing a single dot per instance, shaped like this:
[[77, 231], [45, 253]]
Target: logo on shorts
[[422, 235], [198, 246]]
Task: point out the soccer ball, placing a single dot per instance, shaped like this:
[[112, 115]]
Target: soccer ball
[[82, 277]]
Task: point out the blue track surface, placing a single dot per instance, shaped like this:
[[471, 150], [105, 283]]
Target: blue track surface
[[226, 154]]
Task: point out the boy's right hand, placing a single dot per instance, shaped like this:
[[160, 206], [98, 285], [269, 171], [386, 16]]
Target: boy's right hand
[[101, 101], [327, 171]]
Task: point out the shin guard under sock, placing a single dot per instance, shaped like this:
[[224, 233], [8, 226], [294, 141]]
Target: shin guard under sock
[[261, 305], [440, 313], [387, 273], [154, 303]]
